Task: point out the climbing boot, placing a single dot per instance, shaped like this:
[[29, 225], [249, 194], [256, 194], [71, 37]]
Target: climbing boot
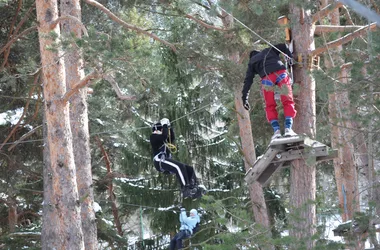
[[186, 192], [276, 135], [200, 192], [289, 132]]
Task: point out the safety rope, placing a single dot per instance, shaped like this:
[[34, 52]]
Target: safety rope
[[169, 145], [289, 67], [245, 26], [142, 226]]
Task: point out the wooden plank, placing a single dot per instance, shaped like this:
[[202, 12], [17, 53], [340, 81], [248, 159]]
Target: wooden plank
[[287, 140], [282, 151], [299, 154], [332, 154], [288, 156], [312, 143], [267, 175], [260, 165]]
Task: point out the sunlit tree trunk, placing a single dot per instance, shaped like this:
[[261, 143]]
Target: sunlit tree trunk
[[61, 210], [248, 147], [372, 176], [12, 214], [79, 122], [341, 136], [302, 177], [255, 190]]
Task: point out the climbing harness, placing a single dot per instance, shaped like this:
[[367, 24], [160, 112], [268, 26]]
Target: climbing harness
[[172, 148], [290, 63]]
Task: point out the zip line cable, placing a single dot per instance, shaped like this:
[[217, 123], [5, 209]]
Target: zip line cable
[[245, 26], [194, 111], [121, 130]]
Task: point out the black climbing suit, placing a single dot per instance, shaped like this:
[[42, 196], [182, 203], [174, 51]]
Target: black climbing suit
[[163, 162]]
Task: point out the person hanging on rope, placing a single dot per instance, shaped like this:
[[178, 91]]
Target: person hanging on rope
[[161, 132], [268, 65], [186, 230]]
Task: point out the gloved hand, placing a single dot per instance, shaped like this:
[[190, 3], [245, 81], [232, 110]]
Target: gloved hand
[[183, 209], [166, 172], [246, 105], [165, 121]]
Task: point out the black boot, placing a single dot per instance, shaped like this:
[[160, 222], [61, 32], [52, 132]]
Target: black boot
[[186, 191]]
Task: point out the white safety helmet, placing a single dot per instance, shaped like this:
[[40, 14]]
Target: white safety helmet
[[193, 212]]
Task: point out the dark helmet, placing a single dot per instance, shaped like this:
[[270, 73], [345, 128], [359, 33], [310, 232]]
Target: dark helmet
[[156, 126], [253, 53]]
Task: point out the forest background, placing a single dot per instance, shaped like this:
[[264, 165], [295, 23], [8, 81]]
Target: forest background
[[81, 83]]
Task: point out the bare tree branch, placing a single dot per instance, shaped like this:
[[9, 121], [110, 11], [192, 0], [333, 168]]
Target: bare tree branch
[[325, 11], [17, 29], [117, 89], [345, 39], [35, 235], [24, 137], [72, 18], [127, 25], [347, 14], [26, 16], [36, 77], [374, 5], [335, 28], [28, 30], [208, 26], [82, 83]]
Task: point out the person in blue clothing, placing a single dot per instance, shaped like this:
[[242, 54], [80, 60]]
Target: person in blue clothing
[[186, 229]]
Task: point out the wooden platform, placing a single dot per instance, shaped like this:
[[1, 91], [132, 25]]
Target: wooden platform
[[281, 152]]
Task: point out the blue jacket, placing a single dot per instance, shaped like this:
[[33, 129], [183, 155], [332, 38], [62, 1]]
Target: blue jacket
[[188, 223]]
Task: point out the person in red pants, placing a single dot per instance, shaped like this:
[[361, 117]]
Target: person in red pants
[[268, 65]]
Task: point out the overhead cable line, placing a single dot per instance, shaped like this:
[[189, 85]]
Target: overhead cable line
[[121, 130], [245, 26]]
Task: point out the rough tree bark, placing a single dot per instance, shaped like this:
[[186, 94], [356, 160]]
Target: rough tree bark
[[259, 207], [341, 136], [79, 122], [61, 210], [248, 147], [345, 168], [302, 177]]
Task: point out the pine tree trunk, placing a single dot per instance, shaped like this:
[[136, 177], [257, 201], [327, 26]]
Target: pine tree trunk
[[61, 217], [259, 207], [373, 178], [255, 190], [302, 177], [12, 214], [79, 123], [341, 137], [345, 169]]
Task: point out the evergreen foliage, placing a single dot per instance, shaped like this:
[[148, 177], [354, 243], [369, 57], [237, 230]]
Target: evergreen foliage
[[194, 89]]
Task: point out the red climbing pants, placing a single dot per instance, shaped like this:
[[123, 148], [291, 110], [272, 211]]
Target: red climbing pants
[[282, 80]]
